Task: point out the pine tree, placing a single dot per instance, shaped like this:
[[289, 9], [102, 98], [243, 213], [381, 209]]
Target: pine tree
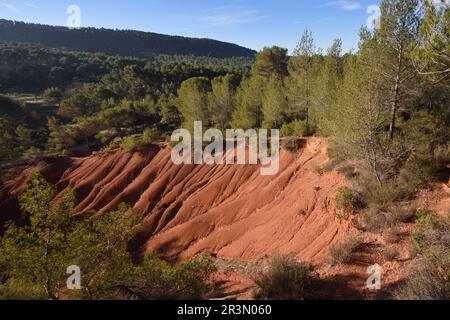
[[274, 104], [302, 74], [270, 62], [325, 92], [432, 55], [396, 37], [222, 100], [193, 101]]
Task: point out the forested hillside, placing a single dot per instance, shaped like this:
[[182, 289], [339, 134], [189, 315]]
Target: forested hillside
[[32, 68], [121, 42]]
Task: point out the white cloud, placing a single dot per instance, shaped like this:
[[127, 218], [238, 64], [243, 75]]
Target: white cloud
[[31, 5], [9, 7], [346, 5], [229, 19]]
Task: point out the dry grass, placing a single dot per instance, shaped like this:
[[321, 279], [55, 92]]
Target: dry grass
[[284, 279], [342, 253]]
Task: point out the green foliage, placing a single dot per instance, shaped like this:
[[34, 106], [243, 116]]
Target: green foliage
[[60, 136], [297, 128], [222, 100], [130, 143], [285, 279], [426, 224], [429, 279], [8, 141], [431, 55], [274, 104], [34, 258], [271, 62], [347, 200], [193, 101], [116, 42], [39, 253], [53, 95]]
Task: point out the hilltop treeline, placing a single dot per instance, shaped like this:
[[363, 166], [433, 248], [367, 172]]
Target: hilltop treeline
[[120, 42], [31, 68]]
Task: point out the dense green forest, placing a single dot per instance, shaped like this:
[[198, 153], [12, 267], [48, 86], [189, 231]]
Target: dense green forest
[[121, 42], [32, 68], [384, 108]]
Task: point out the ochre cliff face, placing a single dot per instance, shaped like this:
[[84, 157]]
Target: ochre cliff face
[[231, 211]]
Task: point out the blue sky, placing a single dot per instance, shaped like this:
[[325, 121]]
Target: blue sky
[[251, 23]]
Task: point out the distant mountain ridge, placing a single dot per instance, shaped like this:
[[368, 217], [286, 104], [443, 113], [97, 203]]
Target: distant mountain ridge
[[120, 42]]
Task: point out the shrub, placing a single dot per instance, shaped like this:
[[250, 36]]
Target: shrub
[[150, 135], [129, 143], [292, 144], [342, 253], [381, 196], [430, 279], [401, 214], [341, 215], [347, 200], [285, 279], [53, 95], [372, 220], [426, 282], [297, 128], [425, 225]]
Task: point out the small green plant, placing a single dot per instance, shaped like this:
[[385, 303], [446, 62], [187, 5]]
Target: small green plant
[[425, 224], [297, 128], [285, 279], [342, 253], [151, 135], [341, 215], [347, 200]]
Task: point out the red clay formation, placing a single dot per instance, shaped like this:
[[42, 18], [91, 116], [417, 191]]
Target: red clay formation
[[230, 211]]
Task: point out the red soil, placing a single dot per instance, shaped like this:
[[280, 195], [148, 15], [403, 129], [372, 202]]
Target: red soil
[[231, 211]]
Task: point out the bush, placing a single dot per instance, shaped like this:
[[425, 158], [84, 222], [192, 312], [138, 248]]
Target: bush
[[342, 253], [130, 143], [430, 279], [297, 128], [285, 279], [401, 214], [292, 144], [157, 279], [347, 200], [381, 196], [151, 135], [372, 220], [426, 282], [53, 95]]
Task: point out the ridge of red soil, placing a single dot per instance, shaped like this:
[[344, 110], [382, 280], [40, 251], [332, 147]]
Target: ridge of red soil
[[231, 211]]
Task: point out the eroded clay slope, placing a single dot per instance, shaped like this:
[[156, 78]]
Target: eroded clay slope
[[230, 211]]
